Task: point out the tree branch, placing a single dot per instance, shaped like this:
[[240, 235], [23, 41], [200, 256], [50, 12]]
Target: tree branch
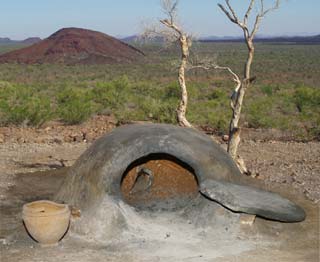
[[153, 31], [261, 15], [232, 10], [172, 25], [235, 78], [255, 26], [274, 7], [261, 6], [246, 16], [232, 19], [170, 7], [244, 24]]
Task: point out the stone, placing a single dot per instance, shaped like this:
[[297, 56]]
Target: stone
[[246, 219], [225, 138], [2, 138]]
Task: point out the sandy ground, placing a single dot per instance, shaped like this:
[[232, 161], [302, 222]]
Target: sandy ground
[[166, 236], [291, 168]]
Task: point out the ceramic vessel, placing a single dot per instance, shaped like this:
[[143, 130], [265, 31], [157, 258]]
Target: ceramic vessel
[[46, 221]]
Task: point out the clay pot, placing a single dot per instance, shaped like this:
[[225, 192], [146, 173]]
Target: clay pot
[[46, 221]]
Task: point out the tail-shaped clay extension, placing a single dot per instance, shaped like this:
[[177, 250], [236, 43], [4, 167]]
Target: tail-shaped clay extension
[[250, 200]]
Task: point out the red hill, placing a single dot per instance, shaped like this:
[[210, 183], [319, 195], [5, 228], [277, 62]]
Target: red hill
[[73, 46]]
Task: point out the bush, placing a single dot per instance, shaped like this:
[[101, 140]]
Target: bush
[[171, 91], [269, 90], [74, 106], [111, 95], [307, 98], [259, 113], [22, 105], [159, 111]]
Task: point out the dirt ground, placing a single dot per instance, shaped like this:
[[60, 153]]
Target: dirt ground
[[291, 168]]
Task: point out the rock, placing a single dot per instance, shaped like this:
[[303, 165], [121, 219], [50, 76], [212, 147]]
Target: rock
[[21, 140], [246, 219], [225, 138], [2, 138], [90, 136], [57, 140], [78, 138]]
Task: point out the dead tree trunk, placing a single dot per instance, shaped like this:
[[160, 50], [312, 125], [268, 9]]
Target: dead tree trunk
[[182, 108], [239, 93], [236, 105], [184, 47]]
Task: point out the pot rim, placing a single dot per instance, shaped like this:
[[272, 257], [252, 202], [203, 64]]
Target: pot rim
[[27, 211]]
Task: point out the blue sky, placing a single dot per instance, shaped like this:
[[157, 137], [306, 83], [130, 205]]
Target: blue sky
[[23, 18]]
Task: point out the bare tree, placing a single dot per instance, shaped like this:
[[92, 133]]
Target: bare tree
[[240, 90], [175, 34]]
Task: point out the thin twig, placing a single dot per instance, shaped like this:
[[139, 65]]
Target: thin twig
[[246, 16]]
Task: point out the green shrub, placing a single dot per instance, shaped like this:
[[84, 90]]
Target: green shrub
[[112, 94], [22, 105], [171, 91], [159, 111], [217, 94], [307, 98], [259, 113], [74, 106], [215, 113], [269, 90]]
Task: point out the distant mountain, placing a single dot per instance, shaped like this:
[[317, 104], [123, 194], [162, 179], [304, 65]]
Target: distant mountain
[[259, 38], [137, 39], [31, 40], [28, 41], [294, 39], [219, 38], [5, 40], [129, 39], [74, 46], [279, 39]]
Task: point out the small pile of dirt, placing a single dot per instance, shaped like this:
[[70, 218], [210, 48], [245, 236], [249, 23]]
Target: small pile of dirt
[[75, 46]]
